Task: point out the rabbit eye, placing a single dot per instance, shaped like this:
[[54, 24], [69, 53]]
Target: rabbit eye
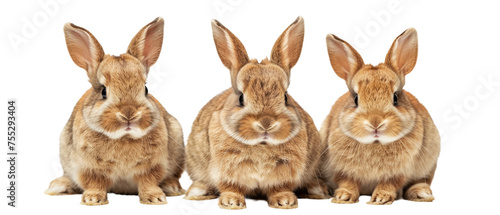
[[103, 92], [356, 100], [146, 90], [241, 100], [395, 99]]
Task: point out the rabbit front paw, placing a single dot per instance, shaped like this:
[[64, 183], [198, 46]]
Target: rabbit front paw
[[283, 200], [230, 200], [94, 197]]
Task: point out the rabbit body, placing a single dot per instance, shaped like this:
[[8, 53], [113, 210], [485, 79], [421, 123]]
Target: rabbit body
[[381, 140], [119, 138], [254, 139]]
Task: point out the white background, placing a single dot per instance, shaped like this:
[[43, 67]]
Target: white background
[[458, 47]]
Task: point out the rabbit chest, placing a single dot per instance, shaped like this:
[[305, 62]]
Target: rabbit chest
[[374, 162], [120, 158], [260, 165]]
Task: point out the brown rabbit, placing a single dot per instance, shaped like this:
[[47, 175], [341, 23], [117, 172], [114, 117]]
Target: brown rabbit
[[119, 138], [254, 139], [382, 142]]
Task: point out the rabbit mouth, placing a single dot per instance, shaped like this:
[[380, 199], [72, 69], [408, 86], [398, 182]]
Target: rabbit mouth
[[129, 126], [265, 137], [268, 138], [377, 136], [376, 133]]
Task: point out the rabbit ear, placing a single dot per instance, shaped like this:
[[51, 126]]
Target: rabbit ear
[[402, 55], [344, 59], [287, 48], [231, 51], [146, 45], [83, 47]]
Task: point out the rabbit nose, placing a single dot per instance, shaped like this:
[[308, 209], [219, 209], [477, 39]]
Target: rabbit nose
[[266, 122], [128, 113], [376, 122]]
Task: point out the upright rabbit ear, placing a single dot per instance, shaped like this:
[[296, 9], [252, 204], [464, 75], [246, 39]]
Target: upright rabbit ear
[[231, 51], [402, 55], [344, 59], [146, 45], [287, 48], [84, 49]]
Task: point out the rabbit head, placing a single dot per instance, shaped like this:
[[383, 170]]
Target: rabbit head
[[118, 103], [259, 110], [378, 110]]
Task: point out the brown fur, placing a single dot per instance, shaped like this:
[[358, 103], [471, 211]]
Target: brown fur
[[225, 153], [97, 153], [378, 148]]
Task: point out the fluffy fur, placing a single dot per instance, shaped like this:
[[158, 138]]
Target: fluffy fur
[[125, 143], [387, 143], [266, 147]]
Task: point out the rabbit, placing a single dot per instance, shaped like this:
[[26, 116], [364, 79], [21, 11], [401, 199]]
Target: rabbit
[[253, 139], [381, 140], [119, 138]]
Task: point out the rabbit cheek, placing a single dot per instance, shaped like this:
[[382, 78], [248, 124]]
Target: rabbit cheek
[[395, 128], [109, 121], [146, 120], [246, 129], [347, 119], [235, 123], [402, 123], [285, 129]]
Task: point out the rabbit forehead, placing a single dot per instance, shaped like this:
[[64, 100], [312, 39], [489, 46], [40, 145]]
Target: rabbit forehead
[[124, 70], [376, 81], [262, 77]]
